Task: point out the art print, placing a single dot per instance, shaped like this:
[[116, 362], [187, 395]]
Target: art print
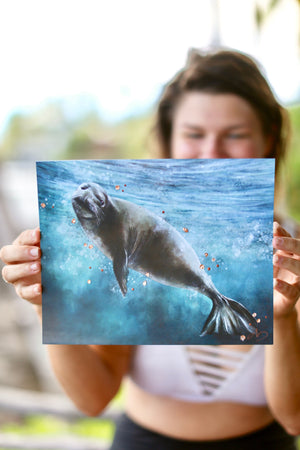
[[157, 251]]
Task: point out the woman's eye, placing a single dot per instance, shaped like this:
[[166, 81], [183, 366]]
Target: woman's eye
[[194, 135], [237, 136]]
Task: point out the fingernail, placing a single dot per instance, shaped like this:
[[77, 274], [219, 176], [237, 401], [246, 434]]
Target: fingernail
[[34, 251], [34, 267], [37, 289], [277, 284], [275, 258], [278, 241]]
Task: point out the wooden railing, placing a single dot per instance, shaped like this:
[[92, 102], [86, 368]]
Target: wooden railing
[[27, 403]]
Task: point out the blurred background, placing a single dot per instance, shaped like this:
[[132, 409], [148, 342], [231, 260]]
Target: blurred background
[[80, 80]]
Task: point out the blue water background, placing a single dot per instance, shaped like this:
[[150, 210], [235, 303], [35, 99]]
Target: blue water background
[[227, 208]]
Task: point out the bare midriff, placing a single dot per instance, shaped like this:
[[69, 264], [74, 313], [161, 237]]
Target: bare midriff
[[193, 421]]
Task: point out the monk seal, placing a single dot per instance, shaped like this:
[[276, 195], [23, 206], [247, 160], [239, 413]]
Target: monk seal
[[135, 238]]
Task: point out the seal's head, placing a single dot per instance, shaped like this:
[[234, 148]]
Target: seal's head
[[90, 202]]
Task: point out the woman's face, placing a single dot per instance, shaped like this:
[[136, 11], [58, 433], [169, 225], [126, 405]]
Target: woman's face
[[216, 126]]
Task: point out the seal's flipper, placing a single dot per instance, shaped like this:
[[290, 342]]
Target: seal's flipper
[[121, 269], [229, 318]]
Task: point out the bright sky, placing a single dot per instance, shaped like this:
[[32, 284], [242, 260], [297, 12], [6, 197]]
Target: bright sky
[[121, 51]]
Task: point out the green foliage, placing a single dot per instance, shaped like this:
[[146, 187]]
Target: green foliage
[[127, 139], [89, 427], [58, 131], [43, 425], [262, 13], [133, 136], [15, 131], [293, 165], [102, 429], [51, 426]]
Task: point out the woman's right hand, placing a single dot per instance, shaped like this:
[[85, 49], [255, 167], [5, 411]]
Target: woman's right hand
[[23, 265]]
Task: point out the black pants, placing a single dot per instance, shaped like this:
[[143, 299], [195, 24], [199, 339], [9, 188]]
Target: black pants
[[130, 436]]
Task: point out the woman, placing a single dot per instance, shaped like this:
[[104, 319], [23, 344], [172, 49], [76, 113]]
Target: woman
[[218, 106]]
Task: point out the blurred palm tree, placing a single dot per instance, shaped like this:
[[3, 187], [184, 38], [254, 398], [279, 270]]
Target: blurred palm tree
[[262, 13]]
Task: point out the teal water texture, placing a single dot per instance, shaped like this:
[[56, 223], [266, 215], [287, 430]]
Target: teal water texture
[[223, 208]]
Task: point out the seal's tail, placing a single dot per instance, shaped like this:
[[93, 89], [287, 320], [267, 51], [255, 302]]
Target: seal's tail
[[229, 317]]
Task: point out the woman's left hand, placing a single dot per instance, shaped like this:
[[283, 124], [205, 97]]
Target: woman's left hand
[[286, 262]]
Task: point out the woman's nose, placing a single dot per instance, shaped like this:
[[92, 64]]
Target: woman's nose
[[211, 147]]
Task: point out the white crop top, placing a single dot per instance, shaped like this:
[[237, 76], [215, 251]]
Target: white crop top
[[201, 373]]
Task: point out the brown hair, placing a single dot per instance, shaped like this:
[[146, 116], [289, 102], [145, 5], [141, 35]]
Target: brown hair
[[223, 71]]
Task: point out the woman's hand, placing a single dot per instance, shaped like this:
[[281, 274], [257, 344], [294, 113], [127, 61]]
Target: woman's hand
[[286, 262], [23, 265], [282, 359]]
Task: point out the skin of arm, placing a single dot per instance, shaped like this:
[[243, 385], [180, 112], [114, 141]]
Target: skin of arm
[[99, 371], [282, 362]]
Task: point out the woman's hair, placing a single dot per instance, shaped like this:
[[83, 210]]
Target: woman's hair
[[220, 72]]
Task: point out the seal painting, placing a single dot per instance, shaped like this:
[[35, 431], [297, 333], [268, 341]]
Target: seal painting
[[135, 238]]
